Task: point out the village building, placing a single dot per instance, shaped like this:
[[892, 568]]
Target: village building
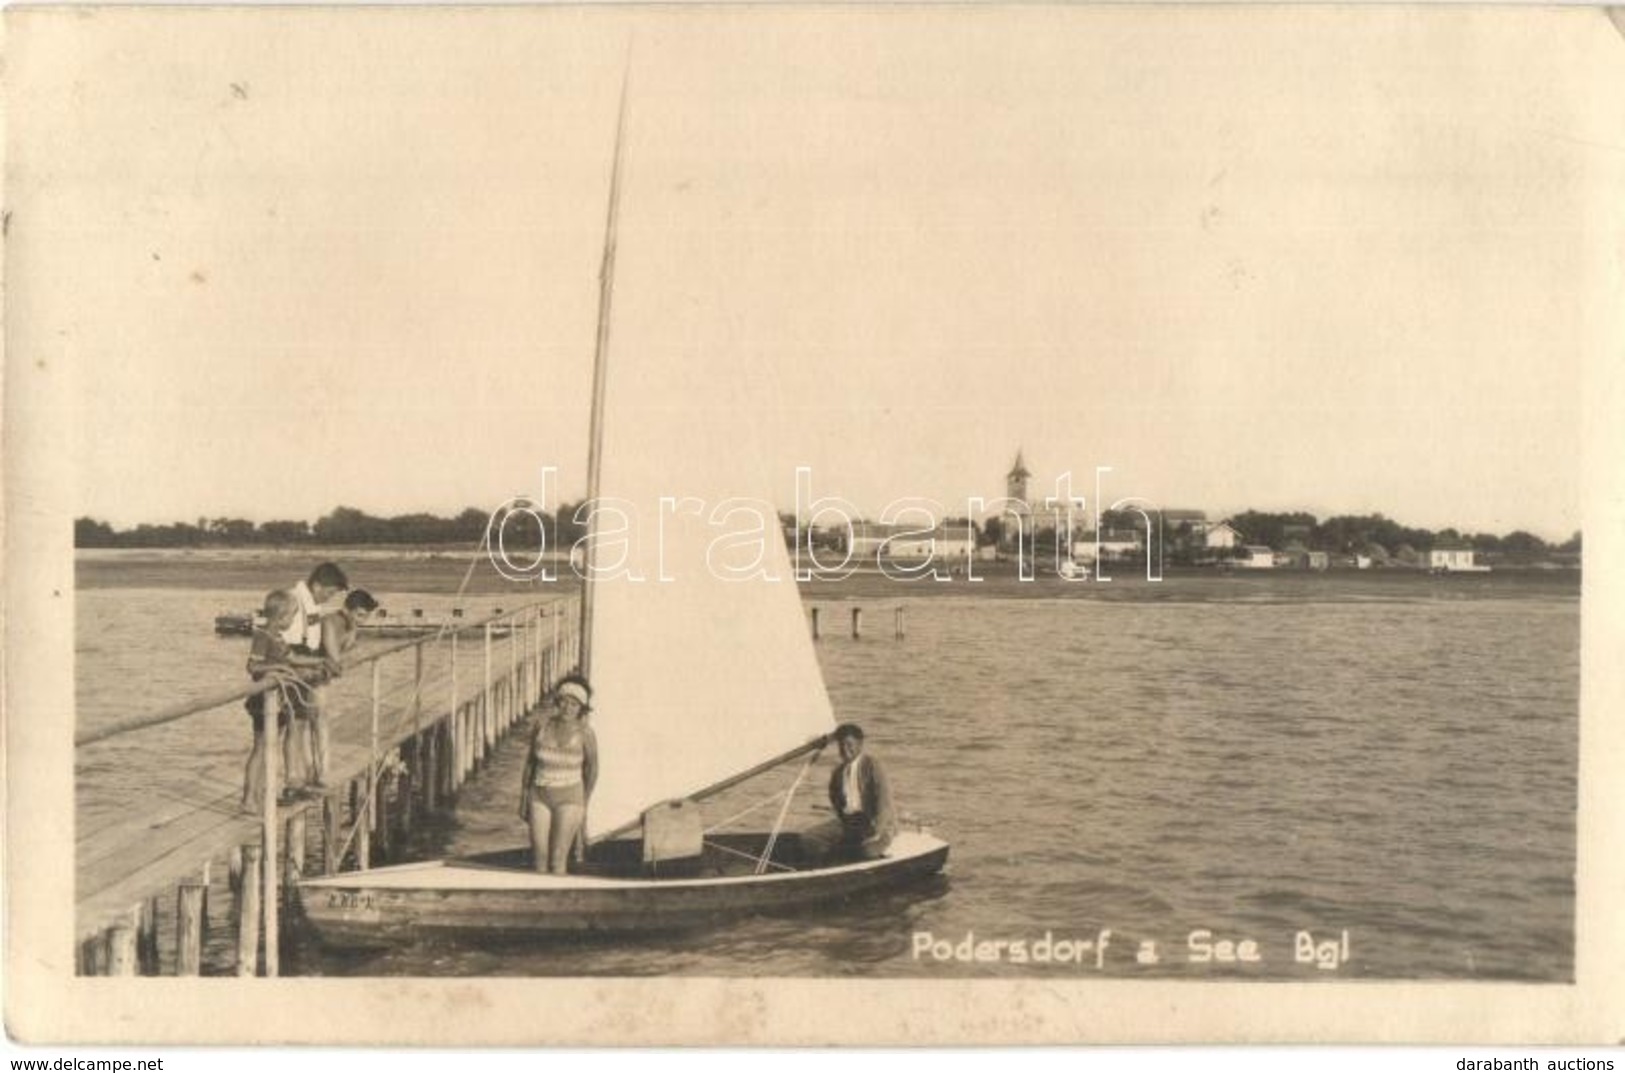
[[1114, 544], [1222, 537], [875, 541], [1256, 557], [1452, 558]]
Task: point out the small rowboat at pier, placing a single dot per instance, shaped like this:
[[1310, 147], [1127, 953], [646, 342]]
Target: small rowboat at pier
[[496, 894]]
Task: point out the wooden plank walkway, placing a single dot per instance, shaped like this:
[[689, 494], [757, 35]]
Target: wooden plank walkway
[[443, 727], [118, 866]]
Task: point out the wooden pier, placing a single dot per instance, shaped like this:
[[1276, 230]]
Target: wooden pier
[[153, 889]]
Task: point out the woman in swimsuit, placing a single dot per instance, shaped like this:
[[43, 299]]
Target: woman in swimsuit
[[560, 771]]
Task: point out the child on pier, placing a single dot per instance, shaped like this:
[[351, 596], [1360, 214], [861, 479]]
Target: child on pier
[[340, 631], [269, 656]]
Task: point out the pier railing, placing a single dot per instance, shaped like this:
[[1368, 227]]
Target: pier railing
[[410, 723]]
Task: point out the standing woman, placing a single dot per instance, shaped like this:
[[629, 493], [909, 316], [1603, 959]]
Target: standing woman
[[560, 771]]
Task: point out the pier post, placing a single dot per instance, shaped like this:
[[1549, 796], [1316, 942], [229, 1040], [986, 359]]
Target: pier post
[[330, 835], [511, 710], [189, 929], [248, 914], [479, 745], [857, 623], [268, 831], [899, 628], [815, 629], [412, 752], [431, 770], [123, 945], [459, 745], [536, 681], [93, 955], [361, 819], [459, 752], [293, 864], [207, 870], [370, 804], [454, 726], [377, 707], [234, 871], [147, 938], [417, 685], [382, 810]]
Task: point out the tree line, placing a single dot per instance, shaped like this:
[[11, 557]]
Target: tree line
[[345, 526], [1367, 534]]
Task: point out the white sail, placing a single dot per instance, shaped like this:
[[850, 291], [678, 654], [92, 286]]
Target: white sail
[[696, 676]]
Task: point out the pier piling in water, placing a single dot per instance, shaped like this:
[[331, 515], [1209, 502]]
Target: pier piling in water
[[360, 816], [189, 929], [293, 857], [123, 946], [330, 834], [899, 622], [127, 867], [147, 938], [248, 913]]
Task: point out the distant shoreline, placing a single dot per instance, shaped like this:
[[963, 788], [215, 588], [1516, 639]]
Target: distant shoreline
[[247, 573]]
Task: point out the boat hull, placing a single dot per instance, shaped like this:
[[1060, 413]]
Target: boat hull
[[495, 895]]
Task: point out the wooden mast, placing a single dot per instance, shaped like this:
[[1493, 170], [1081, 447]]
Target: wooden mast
[[600, 376]]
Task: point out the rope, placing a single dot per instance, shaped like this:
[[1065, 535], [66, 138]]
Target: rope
[[748, 856], [769, 799], [778, 824]]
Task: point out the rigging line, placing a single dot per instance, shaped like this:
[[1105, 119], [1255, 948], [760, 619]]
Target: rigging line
[[748, 856], [417, 687], [778, 824], [736, 817]]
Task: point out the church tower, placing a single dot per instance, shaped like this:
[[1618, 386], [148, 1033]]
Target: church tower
[[1015, 482], [1017, 504]]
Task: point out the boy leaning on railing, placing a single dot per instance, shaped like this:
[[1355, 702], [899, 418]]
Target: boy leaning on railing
[[269, 656]]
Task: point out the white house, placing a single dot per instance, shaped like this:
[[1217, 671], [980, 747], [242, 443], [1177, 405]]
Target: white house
[[1113, 544], [872, 540], [1258, 557], [1453, 559], [1224, 535]]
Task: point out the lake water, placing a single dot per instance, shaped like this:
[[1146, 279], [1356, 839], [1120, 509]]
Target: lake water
[[1387, 755]]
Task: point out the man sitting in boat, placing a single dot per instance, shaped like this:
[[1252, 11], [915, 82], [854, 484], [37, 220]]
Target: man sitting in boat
[[861, 796], [560, 771]]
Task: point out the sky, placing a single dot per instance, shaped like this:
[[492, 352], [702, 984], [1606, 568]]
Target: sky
[[1339, 260]]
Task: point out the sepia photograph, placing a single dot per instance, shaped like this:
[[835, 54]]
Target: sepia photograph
[[1034, 524]]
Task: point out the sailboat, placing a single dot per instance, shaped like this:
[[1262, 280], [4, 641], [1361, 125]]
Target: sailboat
[[704, 675]]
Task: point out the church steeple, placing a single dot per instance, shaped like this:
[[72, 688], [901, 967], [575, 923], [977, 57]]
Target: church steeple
[[1015, 482]]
